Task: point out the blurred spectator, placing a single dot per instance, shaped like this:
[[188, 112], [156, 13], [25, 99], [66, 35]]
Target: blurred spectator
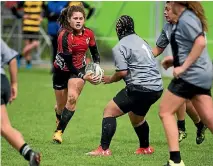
[[32, 18]]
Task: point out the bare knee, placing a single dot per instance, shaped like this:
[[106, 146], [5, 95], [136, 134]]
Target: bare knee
[[163, 111], [71, 101]]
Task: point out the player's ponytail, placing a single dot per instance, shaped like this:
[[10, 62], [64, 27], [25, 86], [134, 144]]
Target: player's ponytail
[[197, 8], [63, 19]]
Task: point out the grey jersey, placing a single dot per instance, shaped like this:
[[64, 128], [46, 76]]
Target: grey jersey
[[165, 36], [7, 54], [133, 54], [184, 34]]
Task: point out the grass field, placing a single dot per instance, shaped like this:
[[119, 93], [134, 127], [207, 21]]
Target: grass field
[[32, 113]]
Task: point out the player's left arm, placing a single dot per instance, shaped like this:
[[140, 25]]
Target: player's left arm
[[120, 54], [94, 49]]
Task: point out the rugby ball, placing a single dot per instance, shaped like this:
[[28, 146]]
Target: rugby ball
[[95, 69]]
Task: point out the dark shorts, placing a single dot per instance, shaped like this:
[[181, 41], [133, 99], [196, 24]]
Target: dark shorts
[[5, 90], [136, 99], [30, 35], [186, 90], [61, 78]]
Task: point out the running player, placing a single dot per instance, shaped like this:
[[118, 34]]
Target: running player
[[69, 78], [192, 73], [8, 94], [162, 43]]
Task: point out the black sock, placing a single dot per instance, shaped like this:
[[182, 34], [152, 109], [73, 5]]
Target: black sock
[[25, 151], [143, 134], [108, 130], [181, 125], [175, 156], [199, 125], [65, 118], [58, 116]]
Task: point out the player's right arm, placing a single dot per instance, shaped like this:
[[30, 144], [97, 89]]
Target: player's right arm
[[162, 42]]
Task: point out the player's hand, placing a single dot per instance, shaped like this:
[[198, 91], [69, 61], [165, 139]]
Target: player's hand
[[91, 78], [106, 79], [14, 92], [167, 62], [178, 71]]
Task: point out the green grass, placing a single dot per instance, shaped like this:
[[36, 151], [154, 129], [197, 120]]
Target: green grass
[[32, 113]]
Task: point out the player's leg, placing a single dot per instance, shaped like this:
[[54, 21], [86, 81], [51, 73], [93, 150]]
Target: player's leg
[[181, 122], [60, 80], [61, 99], [141, 128], [167, 111], [201, 128], [204, 107], [15, 138], [115, 108], [75, 86], [142, 101]]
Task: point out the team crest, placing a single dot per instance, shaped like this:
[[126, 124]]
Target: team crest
[[87, 40]]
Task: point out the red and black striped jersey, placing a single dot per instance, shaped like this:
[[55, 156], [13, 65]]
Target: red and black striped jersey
[[76, 45]]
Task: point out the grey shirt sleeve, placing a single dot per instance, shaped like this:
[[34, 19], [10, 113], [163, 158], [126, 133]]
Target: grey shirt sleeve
[[191, 29], [7, 54], [120, 57], [163, 40]]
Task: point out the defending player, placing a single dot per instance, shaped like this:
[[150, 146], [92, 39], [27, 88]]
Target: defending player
[[162, 43], [8, 94], [192, 73], [135, 64]]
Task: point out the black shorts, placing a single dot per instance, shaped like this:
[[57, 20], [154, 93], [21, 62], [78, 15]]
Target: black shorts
[[60, 78], [5, 90], [136, 99], [30, 35], [186, 90]]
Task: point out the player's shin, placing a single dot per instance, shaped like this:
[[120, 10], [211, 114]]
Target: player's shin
[[142, 132], [65, 118], [108, 131]]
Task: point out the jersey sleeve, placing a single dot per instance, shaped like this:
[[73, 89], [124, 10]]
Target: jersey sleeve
[[7, 53], [191, 29], [92, 41], [163, 40], [65, 41], [120, 55]]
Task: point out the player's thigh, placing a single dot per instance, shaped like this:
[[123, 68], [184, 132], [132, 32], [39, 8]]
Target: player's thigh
[[5, 122], [112, 110], [204, 107], [75, 86], [123, 101], [61, 97], [142, 101], [170, 103], [60, 81]]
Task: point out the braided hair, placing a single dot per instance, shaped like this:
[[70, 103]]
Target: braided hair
[[124, 26]]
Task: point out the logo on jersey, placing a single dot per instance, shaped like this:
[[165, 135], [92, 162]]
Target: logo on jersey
[[87, 40]]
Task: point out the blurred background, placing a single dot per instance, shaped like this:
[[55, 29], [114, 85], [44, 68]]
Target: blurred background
[[148, 17]]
